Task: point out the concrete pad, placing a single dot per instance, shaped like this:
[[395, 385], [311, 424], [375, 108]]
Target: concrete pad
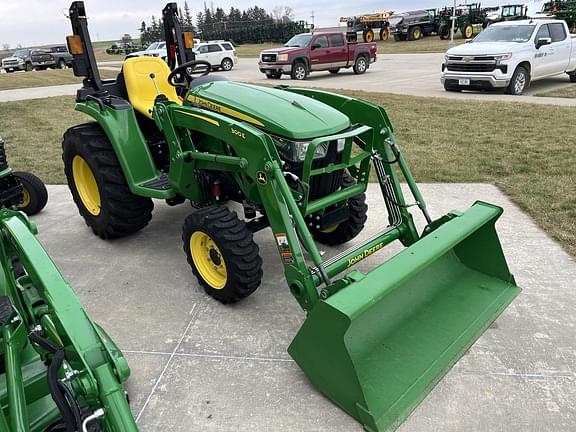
[[200, 366]]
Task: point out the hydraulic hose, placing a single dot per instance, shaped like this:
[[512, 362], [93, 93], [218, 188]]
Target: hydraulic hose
[[56, 392]]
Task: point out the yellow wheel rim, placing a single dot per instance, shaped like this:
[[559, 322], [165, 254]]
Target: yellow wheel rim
[[417, 34], [25, 199], [208, 260], [330, 229], [370, 36], [469, 31], [86, 185]]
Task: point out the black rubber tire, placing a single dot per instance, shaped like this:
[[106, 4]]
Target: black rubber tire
[[444, 32], [384, 34], [121, 212], [511, 89], [368, 36], [361, 65], [334, 71], [346, 231], [299, 71], [273, 75], [226, 64], [36, 190], [237, 247], [452, 88], [415, 33], [61, 64], [29, 67], [572, 77]]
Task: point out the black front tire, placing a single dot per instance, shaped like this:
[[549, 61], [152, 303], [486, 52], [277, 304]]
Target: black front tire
[[572, 77], [348, 230], [120, 212], [452, 88], [35, 193], [415, 33], [61, 64], [334, 71], [273, 75], [229, 244], [299, 71], [520, 81]]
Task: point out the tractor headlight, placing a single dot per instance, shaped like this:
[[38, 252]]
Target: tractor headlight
[[295, 151]]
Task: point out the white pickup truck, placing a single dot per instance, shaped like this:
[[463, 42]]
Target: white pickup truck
[[511, 55]]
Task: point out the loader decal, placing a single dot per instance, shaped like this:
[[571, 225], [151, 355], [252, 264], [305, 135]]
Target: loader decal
[[355, 260], [211, 106], [284, 248]]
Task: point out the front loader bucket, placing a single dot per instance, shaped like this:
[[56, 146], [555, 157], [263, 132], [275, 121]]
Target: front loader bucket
[[380, 345]]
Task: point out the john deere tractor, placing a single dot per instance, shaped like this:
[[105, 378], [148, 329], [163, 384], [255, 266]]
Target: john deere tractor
[[299, 162], [59, 371]]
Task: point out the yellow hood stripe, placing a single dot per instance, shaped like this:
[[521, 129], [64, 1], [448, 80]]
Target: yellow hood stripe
[[209, 105]]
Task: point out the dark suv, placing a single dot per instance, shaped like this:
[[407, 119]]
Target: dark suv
[[62, 57]]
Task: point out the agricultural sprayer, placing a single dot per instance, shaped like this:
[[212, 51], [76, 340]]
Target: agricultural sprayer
[[299, 162]]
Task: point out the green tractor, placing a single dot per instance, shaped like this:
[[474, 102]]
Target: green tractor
[[59, 371], [466, 18], [299, 162]]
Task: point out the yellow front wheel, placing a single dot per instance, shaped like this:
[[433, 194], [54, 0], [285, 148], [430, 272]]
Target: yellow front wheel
[[86, 185], [222, 253], [34, 193]]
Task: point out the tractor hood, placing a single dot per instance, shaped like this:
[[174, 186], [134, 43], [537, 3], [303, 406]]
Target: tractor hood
[[275, 111]]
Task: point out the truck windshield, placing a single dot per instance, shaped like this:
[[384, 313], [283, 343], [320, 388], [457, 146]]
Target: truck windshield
[[512, 33], [300, 41], [152, 46], [20, 53]]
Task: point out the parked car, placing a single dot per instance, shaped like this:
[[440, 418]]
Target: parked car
[[28, 59], [156, 49], [62, 58], [220, 54], [308, 52], [511, 55]]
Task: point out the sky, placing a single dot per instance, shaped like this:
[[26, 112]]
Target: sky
[[38, 22]]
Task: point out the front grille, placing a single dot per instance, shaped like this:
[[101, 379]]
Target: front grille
[[42, 58], [9, 62], [471, 58], [269, 58], [471, 67]]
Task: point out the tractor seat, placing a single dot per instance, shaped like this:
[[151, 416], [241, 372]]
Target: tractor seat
[[140, 86]]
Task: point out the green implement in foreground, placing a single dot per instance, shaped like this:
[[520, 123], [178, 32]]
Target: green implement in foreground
[[298, 162]]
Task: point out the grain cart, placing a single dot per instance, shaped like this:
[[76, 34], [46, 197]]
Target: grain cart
[[367, 24], [467, 16], [299, 162], [59, 370], [413, 25]]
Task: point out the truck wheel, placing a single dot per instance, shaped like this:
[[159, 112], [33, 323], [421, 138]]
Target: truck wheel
[[61, 64], [222, 254], [415, 33], [226, 64], [299, 71], [273, 75], [384, 34], [519, 82], [368, 35], [98, 185], [360, 65], [29, 67], [468, 31], [444, 32], [334, 71], [572, 76], [35, 195], [346, 231]]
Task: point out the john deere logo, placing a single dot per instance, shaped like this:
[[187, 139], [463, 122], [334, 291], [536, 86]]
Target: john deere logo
[[467, 59], [261, 178]]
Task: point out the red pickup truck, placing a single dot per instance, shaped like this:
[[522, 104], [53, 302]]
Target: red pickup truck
[[311, 52]]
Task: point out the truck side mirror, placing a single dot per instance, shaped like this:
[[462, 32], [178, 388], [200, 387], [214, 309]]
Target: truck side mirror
[[316, 46], [543, 41]]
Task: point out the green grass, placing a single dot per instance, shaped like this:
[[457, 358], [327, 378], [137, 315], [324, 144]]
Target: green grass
[[444, 141], [431, 44], [49, 77], [566, 92]]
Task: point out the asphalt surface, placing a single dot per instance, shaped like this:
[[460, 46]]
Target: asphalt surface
[[201, 366], [406, 74]]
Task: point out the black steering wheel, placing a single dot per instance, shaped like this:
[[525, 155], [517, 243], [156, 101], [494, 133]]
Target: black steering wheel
[[187, 70]]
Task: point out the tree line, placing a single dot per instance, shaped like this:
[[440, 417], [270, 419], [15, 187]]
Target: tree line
[[254, 24]]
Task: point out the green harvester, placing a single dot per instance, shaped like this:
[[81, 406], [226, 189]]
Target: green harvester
[[299, 161]]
